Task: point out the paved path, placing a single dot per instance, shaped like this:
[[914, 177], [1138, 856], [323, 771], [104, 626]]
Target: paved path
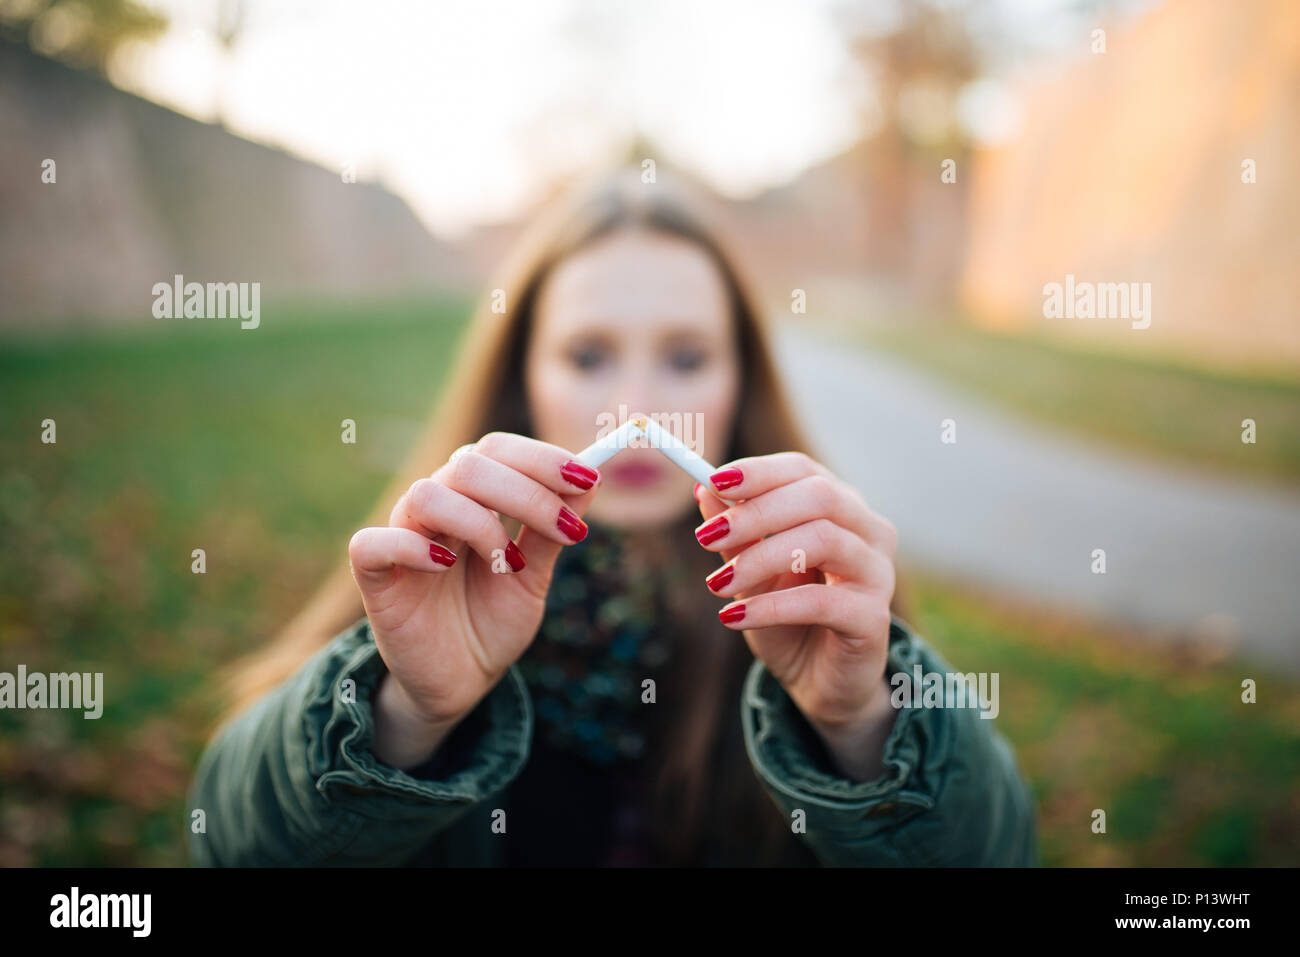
[[1022, 507]]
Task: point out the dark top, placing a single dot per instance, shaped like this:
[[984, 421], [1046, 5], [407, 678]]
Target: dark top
[[583, 798], [292, 780]]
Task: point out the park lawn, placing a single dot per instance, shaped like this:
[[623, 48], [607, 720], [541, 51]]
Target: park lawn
[[1157, 737], [175, 436], [1162, 408]]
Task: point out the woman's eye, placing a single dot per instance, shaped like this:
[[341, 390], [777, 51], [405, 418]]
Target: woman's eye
[[587, 357], [687, 360]]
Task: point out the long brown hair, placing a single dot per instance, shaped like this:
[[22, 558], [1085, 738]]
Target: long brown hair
[[486, 394]]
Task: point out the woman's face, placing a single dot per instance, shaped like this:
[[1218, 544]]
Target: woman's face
[[638, 320]]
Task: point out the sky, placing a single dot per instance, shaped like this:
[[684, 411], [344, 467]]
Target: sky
[[468, 109]]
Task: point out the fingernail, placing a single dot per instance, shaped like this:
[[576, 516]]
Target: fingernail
[[696, 493], [729, 616], [721, 578], [712, 530], [443, 556], [515, 557], [575, 473], [571, 525], [726, 478]]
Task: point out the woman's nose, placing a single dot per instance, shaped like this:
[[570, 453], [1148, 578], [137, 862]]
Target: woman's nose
[[640, 393]]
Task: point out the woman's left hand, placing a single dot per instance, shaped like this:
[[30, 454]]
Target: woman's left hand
[[810, 567]]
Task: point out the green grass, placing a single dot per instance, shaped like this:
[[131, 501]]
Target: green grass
[[173, 436], [1160, 408], [1157, 738]]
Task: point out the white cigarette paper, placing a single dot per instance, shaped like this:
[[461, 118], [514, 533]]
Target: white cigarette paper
[[678, 452], [604, 449]]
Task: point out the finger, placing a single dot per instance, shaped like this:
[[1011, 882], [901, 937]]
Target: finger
[[748, 477], [786, 506], [711, 506], [819, 544], [374, 552], [558, 470], [849, 612], [709, 503], [433, 509], [548, 464], [509, 492]]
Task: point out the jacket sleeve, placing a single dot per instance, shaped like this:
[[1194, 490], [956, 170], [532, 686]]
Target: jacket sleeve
[[951, 793], [292, 781]]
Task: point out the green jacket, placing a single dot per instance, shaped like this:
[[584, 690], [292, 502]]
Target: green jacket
[[292, 781]]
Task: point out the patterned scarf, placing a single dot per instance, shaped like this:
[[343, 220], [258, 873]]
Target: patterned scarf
[[601, 637]]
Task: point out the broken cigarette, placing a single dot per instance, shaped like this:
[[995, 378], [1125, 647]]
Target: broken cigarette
[[605, 448]]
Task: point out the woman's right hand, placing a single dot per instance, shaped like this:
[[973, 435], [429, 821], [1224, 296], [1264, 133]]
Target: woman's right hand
[[452, 602]]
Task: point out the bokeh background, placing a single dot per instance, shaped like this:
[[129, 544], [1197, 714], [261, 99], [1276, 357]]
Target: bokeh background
[[369, 164]]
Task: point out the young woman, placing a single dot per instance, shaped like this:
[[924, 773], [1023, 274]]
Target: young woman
[[528, 661]]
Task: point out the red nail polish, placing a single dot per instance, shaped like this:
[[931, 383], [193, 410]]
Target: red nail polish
[[443, 556], [696, 493], [721, 578], [571, 525], [515, 557], [726, 478], [712, 530], [575, 473], [729, 616]]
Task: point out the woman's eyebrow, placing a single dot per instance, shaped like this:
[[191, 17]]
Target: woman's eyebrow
[[681, 330], [587, 332], [694, 333]]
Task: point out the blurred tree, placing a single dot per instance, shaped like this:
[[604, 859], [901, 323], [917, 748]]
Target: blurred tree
[[913, 58], [232, 18], [81, 33]]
